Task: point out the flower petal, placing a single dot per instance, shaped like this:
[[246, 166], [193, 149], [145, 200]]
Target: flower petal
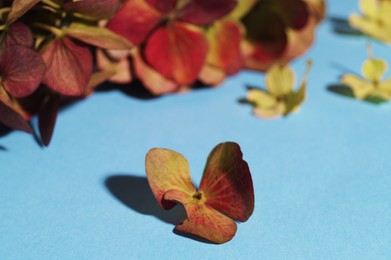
[[224, 40], [207, 223], [203, 12], [135, 20], [168, 170], [294, 12], [98, 9], [164, 6], [374, 69], [20, 34], [47, 117], [11, 114], [280, 80], [97, 36], [361, 88], [69, 67], [22, 70], [178, 51], [19, 8], [270, 112], [227, 184], [261, 98]]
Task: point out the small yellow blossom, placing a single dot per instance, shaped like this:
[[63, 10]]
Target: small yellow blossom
[[279, 98]]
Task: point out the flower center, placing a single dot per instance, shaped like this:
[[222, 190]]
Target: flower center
[[197, 195]]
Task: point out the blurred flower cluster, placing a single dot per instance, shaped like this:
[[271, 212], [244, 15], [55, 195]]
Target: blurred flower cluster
[[52, 51]]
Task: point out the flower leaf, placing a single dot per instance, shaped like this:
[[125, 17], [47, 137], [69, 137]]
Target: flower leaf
[[97, 36], [98, 9], [19, 8]]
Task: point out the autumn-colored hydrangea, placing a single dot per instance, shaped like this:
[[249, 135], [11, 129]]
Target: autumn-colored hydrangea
[[225, 194]]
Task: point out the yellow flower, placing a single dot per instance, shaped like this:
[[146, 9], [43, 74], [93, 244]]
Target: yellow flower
[[279, 98], [371, 84], [375, 20]]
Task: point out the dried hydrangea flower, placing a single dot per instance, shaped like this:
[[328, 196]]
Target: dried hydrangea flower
[[225, 194], [279, 98]]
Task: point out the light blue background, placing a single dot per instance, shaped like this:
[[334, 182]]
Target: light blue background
[[322, 177]]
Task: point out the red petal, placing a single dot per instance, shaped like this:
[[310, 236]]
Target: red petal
[[164, 6], [178, 51], [135, 20], [227, 184], [225, 39], [47, 117], [11, 115], [21, 69], [20, 34], [19, 8], [156, 83], [168, 170], [203, 12], [211, 75], [69, 67], [99, 9]]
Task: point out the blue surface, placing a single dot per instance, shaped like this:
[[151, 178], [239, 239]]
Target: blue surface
[[322, 177]]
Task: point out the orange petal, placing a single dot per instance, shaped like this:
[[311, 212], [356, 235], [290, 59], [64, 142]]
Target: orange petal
[[227, 184], [178, 51], [168, 170]]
